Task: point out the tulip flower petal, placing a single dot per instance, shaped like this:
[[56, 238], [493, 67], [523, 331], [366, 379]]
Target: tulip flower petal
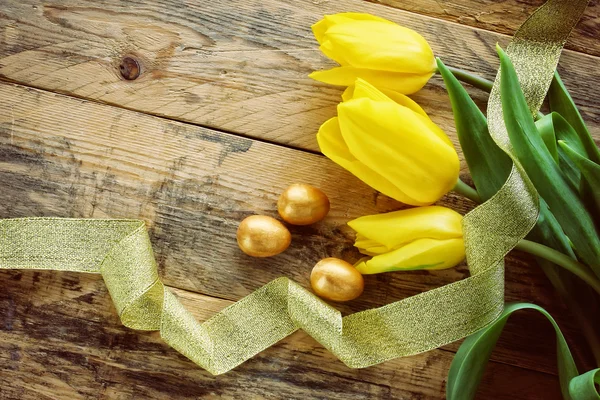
[[329, 49], [436, 130], [380, 51], [405, 101], [370, 247], [333, 146], [405, 83], [397, 144], [420, 254], [348, 93], [328, 21], [377, 46], [363, 88], [394, 229]]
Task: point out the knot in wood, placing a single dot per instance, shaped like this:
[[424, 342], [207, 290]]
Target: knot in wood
[[129, 68]]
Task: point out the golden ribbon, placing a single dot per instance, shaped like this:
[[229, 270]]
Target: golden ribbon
[[121, 251]]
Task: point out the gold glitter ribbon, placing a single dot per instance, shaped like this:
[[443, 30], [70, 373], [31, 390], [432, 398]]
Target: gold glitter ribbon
[[121, 251]]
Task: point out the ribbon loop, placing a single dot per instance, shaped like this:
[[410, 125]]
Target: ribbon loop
[[131, 276]]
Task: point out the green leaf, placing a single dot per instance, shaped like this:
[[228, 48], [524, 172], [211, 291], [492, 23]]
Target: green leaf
[[565, 131], [554, 127], [488, 164], [589, 195], [549, 232], [582, 301], [582, 386], [545, 174], [469, 363], [569, 170], [590, 181], [561, 102], [489, 167], [545, 127]]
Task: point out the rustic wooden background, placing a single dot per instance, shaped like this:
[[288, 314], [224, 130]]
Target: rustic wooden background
[[220, 120]]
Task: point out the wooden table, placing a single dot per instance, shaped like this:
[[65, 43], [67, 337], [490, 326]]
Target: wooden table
[[220, 120]]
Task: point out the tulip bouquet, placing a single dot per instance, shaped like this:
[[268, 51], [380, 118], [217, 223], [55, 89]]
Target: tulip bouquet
[[387, 140]]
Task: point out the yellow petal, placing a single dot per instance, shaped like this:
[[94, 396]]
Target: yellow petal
[[420, 254], [361, 265], [364, 17], [321, 27], [379, 46], [406, 83], [333, 146], [327, 22], [397, 144], [363, 88], [333, 52], [348, 93], [436, 130], [370, 247], [394, 229]]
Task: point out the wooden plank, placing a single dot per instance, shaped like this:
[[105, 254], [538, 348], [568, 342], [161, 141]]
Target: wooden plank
[[238, 66], [61, 156], [503, 17], [85, 353]]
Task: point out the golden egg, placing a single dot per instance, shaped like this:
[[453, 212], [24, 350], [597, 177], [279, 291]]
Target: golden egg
[[337, 280], [302, 204], [262, 236]]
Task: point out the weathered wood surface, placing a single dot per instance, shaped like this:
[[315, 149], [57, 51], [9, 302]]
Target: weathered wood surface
[[84, 353], [67, 157], [503, 17], [240, 66]]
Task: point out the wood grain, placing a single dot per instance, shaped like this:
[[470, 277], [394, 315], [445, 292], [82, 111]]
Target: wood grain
[[503, 17], [85, 353], [66, 157], [239, 66]]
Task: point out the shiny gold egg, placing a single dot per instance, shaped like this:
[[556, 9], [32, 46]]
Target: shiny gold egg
[[337, 280], [302, 204], [262, 236]]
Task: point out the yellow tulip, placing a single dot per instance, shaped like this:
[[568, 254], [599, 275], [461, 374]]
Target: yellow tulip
[[417, 238], [375, 49], [388, 142]]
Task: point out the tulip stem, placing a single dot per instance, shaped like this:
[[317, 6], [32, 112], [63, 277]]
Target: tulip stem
[[472, 79], [561, 260], [467, 191]]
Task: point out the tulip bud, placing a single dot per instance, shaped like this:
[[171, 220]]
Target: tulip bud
[[375, 49], [389, 143], [416, 238]]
